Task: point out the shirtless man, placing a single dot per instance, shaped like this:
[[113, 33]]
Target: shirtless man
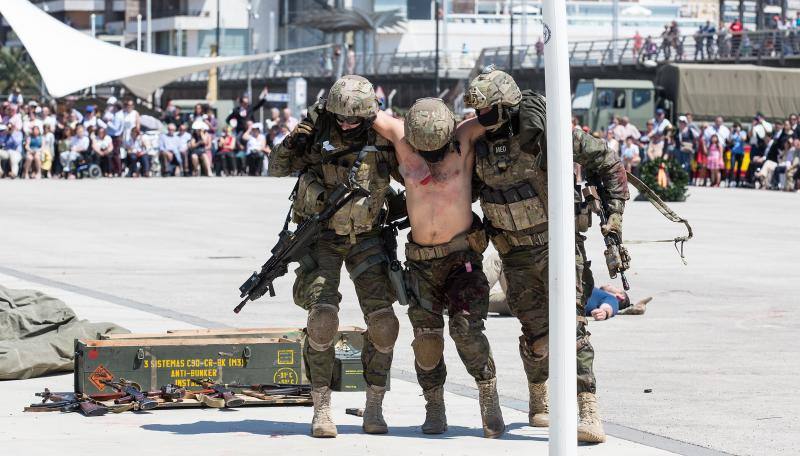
[[444, 255]]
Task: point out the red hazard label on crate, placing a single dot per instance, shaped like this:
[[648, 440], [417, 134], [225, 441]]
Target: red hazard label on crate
[[99, 375]]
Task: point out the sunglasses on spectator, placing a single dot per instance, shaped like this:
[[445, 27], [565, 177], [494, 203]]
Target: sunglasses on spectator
[[350, 120]]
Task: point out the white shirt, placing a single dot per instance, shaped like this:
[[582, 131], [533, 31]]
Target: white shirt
[[661, 126], [256, 144], [722, 132]]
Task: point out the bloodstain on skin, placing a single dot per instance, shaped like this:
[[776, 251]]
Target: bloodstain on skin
[[427, 180]]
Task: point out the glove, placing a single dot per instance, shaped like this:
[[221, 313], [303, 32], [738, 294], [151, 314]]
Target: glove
[[613, 225], [302, 133]]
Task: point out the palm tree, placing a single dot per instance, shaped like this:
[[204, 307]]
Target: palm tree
[[17, 70]]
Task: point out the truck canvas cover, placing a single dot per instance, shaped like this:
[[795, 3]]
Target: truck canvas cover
[[735, 91]]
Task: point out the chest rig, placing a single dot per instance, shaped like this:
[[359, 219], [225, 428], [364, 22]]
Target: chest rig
[[338, 160], [508, 197]]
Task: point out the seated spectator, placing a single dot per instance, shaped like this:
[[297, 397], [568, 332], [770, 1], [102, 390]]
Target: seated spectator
[[78, 150], [200, 148], [226, 145], [103, 147], [257, 151], [33, 155], [62, 148], [785, 161], [282, 133], [793, 171], [630, 155], [760, 135], [138, 154], [774, 151], [287, 119], [11, 150], [170, 149]]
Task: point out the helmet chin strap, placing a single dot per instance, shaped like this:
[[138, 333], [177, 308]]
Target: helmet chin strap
[[495, 118]]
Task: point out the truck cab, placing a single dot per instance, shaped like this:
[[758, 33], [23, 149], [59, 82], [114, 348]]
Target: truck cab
[[597, 101]]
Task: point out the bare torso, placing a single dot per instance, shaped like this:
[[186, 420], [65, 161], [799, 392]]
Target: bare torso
[[438, 196]]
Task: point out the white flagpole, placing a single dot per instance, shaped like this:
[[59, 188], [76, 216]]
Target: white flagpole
[[563, 367]]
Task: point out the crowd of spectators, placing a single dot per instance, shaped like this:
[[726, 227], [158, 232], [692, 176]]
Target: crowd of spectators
[[708, 42], [55, 141], [713, 153]]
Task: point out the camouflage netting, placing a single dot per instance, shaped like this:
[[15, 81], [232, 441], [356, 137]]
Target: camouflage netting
[[429, 124], [38, 332]]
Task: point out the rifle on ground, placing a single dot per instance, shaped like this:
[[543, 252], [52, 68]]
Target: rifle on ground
[[617, 258], [219, 392], [275, 389], [68, 402], [292, 246], [132, 395]]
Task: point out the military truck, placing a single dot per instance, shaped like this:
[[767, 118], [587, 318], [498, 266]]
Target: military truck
[[736, 92], [597, 101]]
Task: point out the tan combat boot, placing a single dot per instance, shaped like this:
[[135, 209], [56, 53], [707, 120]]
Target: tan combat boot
[[322, 424], [491, 415], [539, 410], [373, 411], [435, 418], [590, 428]]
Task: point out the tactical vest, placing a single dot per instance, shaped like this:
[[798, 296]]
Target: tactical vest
[[508, 198], [360, 215]]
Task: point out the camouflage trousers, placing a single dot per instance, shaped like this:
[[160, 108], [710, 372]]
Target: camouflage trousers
[[526, 272], [456, 284], [317, 283]]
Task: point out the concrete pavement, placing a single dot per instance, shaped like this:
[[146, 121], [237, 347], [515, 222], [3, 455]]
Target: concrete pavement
[[716, 346]]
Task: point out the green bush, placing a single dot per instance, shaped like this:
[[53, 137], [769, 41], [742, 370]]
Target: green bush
[[677, 176]]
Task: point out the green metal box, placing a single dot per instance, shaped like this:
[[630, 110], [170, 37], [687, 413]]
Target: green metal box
[[155, 362]]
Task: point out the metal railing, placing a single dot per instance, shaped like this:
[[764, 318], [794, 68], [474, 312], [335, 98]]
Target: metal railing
[[745, 47]]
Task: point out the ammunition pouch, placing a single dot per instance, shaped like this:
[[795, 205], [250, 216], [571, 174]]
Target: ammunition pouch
[[583, 218], [310, 198], [505, 241], [360, 215], [515, 209]]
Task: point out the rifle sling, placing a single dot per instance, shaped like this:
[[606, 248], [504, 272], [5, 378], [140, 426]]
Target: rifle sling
[[666, 211]]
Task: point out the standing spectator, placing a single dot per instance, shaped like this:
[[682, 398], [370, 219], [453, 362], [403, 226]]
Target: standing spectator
[[64, 152], [660, 122], [736, 28], [171, 114], [613, 144], [715, 163], [281, 134], [625, 129], [15, 97], [33, 155], [719, 129], [170, 147], [11, 149], [637, 47], [226, 148], [244, 112], [793, 121], [90, 120], [710, 30], [274, 118], [737, 141], [655, 149], [723, 42], [701, 161], [48, 150], [351, 59], [287, 119], [630, 155], [115, 128], [687, 138], [104, 148], [539, 46], [699, 41], [130, 119], [200, 148]]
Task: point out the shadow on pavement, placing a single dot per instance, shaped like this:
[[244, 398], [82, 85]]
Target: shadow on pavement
[[281, 428]]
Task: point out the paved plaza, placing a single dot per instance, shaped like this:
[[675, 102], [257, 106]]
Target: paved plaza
[[715, 347]]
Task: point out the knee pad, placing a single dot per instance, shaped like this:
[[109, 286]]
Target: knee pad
[[428, 347], [538, 349], [322, 326], [382, 329]]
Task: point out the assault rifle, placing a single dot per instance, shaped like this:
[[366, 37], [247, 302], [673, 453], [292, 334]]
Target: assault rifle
[[617, 258], [219, 392], [132, 394], [293, 245], [68, 402], [275, 389], [395, 219]]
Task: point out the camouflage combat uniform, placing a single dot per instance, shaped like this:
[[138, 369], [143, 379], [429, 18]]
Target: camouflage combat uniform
[[352, 235], [511, 165]]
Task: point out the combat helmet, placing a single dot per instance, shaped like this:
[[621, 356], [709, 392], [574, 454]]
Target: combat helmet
[[429, 127], [352, 96], [492, 87]]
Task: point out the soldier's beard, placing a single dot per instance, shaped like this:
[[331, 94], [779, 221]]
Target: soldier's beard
[[433, 157]]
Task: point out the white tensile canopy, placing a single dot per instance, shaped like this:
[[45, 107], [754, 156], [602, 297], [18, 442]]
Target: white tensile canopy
[[70, 60]]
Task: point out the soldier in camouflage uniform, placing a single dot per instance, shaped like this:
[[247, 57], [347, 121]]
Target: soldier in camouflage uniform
[[351, 236], [444, 257], [511, 164]]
